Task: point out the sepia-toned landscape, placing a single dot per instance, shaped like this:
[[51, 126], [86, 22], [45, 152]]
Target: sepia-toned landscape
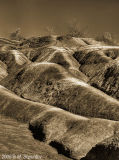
[[59, 80], [59, 97]]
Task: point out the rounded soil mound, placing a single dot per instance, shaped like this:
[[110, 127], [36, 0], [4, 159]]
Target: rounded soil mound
[[14, 60], [73, 136], [108, 80], [60, 56], [70, 42], [36, 42], [18, 139], [76, 135], [51, 84], [91, 62]]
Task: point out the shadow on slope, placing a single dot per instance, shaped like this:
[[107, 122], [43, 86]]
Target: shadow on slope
[[75, 134], [14, 60], [51, 84], [35, 42], [101, 67], [16, 139], [59, 56], [72, 136], [106, 150], [108, 80], [33, 47]]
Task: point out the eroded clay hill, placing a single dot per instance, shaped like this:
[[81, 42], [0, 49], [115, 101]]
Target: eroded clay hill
[[65, 89], [71, 135]]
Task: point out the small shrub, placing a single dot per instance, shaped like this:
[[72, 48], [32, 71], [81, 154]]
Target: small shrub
[[107, 38], [16, 35], [74, 30]]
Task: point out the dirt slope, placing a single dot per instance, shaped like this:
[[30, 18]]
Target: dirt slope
[[100, 65], [50, 83], [3, 70], [18, 142], [64, 90], [106, 150], [75, 135]]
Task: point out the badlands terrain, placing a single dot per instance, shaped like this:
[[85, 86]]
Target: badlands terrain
[[59, 98]]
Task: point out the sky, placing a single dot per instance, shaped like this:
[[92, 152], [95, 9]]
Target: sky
[[38, 17]]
